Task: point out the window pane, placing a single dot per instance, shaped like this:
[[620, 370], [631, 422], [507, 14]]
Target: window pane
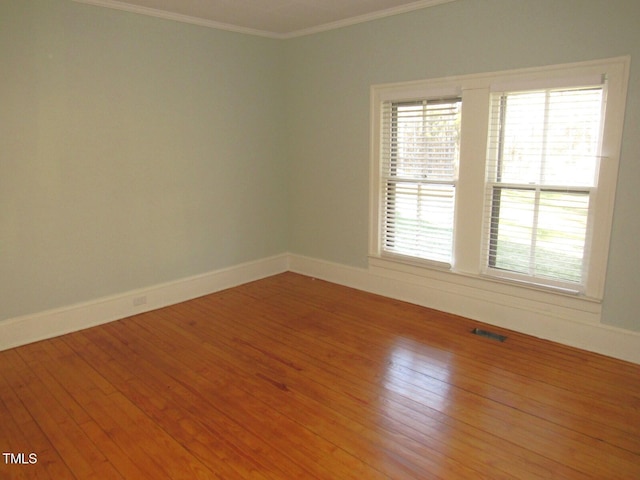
[[561, 235], [573, 137], [419, 220], [541, 234], [522, 129], [513, 214], [420, 165], [548, 137], [424, 140]]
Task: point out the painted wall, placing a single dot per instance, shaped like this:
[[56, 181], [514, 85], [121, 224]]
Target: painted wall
[[133, 151], [328, 120], [136, 151]]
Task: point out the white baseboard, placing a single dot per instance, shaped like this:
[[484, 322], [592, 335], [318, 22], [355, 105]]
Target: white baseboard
[[569, 326], [525, 317], [31, 328]]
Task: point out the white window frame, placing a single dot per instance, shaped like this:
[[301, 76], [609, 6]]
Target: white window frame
[[467, 266]]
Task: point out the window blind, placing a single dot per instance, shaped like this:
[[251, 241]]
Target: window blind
[[419, 163], [542, 168]]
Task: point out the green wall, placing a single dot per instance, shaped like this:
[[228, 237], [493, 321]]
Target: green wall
[[135, 151], [328, 117]]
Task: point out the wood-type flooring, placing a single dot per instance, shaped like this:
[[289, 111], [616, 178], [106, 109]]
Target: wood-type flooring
[[295, 378]]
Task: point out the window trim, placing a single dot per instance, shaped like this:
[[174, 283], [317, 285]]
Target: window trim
[[475, 90]]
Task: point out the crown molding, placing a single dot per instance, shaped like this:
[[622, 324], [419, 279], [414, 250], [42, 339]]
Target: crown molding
[[166, 15], [410, 7], [177, 17]]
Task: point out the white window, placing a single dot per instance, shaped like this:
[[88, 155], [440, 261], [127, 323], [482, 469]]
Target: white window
[[507, 176], [543, 158], [420, 151]]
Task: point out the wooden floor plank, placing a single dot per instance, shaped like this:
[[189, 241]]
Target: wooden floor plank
[[20, 437], [484, 354], [351, 382], [78, 453], [295, 378], [320, 455], [146, 444], [516, 391], [303, 408], [197, 415], [60, 380]]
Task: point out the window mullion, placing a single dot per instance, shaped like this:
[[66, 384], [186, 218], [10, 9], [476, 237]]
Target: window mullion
[[470, 186]]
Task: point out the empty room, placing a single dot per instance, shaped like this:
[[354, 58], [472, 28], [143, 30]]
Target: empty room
[[319, 239]]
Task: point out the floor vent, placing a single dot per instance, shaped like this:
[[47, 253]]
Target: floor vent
[[491, 335]]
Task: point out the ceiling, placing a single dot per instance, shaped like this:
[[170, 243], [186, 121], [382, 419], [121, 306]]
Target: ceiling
[[271, 18]]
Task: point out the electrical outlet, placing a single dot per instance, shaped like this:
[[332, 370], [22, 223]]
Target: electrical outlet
[[137, 301]]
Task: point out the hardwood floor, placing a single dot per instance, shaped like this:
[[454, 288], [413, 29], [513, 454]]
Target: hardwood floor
[[295, 378]]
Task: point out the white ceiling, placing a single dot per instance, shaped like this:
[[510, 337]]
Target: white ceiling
[[272, 18]]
